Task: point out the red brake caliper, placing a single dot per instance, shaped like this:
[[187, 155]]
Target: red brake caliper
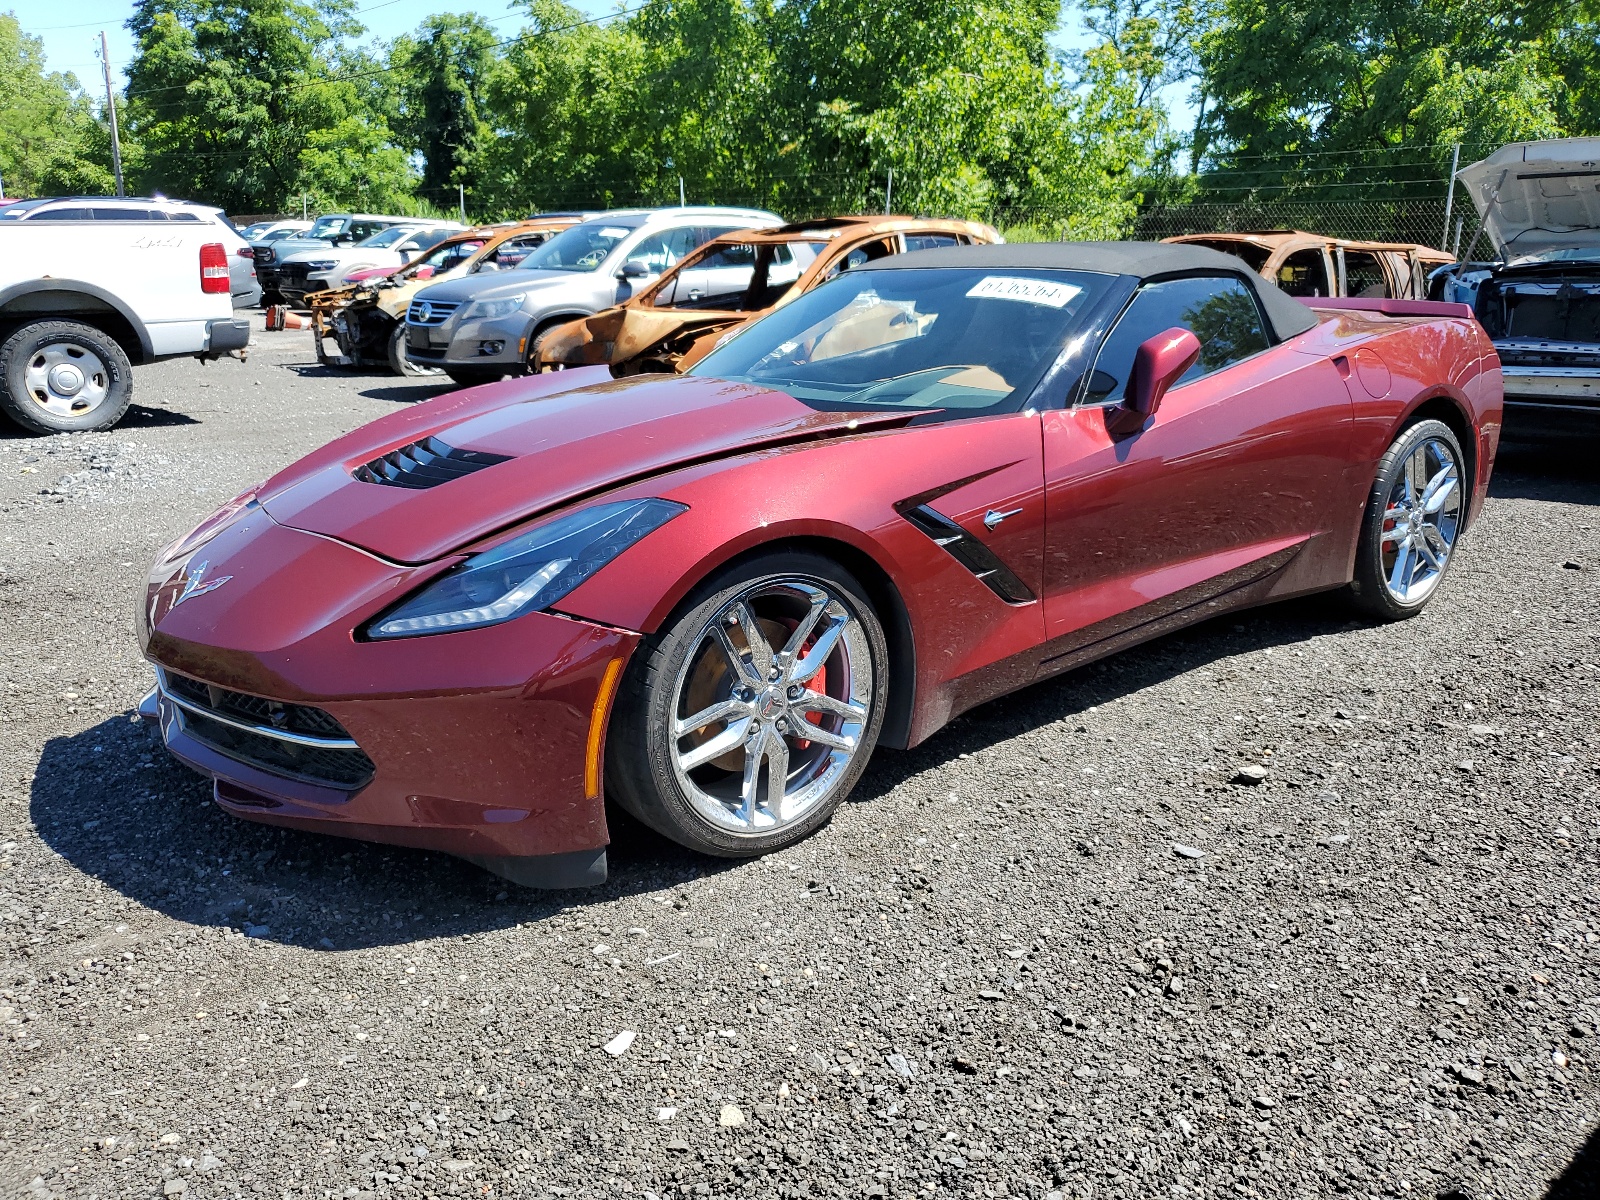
[[819, 683]]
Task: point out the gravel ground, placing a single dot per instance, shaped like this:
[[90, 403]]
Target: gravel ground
[[1063, 949]]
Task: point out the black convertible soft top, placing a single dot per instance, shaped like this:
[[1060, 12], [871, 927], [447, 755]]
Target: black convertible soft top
[[1142, 260]]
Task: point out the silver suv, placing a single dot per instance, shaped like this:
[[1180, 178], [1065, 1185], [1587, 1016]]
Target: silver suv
[[480, 327]]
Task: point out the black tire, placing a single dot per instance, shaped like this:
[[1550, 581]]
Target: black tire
[[100, 362], [1370, 591], [473, 376], [640, 769], [399, 361]]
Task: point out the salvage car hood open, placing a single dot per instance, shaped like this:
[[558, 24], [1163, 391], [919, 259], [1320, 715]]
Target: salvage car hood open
[[527, 446], [1538, 196]]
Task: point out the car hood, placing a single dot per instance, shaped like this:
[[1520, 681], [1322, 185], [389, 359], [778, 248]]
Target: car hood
[[559, 437], [288, 247], [501, 283], [1538, 196]]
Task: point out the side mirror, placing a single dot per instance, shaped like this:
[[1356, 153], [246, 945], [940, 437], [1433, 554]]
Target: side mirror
[[635, 268], [1158, 364]]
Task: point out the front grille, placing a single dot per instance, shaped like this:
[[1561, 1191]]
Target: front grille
[[295, 718], [293, 740], [425, 464], [429, 313], [344, 769]]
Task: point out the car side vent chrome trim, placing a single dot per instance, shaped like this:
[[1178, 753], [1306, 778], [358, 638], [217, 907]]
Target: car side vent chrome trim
[[425, 464], [970, 553]]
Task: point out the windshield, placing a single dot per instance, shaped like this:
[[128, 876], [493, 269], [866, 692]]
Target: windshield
[[387, 237], [581, 248], [326, 228], [949, 338], [273, 235]]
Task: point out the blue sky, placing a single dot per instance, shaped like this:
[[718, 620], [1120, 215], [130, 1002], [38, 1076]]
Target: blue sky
[[71, 32]]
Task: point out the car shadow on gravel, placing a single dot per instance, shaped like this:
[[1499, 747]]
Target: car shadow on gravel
[[422, 389], [1581, 1179], [1543, 466], [1284, 624], [113, 804]]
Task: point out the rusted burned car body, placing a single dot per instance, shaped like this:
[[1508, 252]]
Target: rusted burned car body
[[365, 318], [1310, 264], [732, 280]]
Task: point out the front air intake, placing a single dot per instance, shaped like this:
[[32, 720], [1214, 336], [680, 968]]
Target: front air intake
[[425, 464]]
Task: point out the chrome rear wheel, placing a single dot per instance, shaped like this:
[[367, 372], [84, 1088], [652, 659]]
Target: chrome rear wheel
[[1421, 520]]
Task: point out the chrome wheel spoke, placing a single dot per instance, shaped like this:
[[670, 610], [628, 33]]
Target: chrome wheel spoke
[[777, 755], [759, 648], [818, 702], [710, 716], [802, 631], [812, 733], [807, 668], [741, 662], [1439, 489], [1428, 553], [716, 747], [1400, 577], [746, 813], [1434, 537]]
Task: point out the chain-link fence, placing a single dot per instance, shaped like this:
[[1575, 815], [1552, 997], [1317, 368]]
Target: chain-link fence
[[1420, 221]]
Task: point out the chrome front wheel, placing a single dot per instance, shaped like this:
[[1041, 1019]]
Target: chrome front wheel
[[771, 705], [748, 718]]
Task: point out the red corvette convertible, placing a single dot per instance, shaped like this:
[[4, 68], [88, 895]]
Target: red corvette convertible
[[710, 597]]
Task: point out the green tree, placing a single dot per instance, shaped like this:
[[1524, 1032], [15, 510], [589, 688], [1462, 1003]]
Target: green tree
[[1354, 98], [51, 142], [443, 78], [242, 103]]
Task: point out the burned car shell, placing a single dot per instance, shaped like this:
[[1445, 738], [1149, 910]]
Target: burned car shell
[[1539, 204], [362, 318], [663, 330], [1312, 264]]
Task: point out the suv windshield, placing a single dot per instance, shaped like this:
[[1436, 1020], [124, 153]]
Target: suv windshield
[[958, 338], [326, 228], [388, 237], [581, 248]]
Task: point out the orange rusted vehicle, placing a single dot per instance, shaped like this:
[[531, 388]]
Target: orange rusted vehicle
[[1310, 264], [732, 280], [367, 318]]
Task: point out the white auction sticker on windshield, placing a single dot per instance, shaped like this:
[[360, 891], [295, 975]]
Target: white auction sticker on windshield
[[1029, 291]]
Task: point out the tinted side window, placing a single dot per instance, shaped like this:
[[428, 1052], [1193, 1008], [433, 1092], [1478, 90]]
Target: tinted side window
[[65, 214], [123, 214], [360, 231], [1220, 312]]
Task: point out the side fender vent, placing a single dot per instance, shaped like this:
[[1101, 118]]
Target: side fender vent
[[425, 464], [970, 553]]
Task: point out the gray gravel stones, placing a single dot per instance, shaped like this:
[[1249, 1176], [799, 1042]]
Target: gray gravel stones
[[942, 994]]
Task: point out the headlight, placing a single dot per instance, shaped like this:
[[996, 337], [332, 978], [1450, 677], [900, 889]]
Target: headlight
[[527, 573], [503, 306], [209, 528]]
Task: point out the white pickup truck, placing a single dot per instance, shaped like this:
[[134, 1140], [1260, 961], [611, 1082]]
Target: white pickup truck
[[83, 300]]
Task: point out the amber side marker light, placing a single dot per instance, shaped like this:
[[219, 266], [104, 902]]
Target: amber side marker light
[[597, 727]]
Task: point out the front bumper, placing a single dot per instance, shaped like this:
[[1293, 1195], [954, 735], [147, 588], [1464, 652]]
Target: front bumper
[[501, 341], [486, 743]]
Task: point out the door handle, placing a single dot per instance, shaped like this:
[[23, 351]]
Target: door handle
[[992, 518]]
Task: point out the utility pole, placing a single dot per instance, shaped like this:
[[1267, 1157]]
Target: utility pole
[[111, 111], [461, 191], [1450, 196], [681, 203], [888, 194]]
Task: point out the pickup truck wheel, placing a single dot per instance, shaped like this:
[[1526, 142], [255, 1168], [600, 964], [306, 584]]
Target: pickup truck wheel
[[399, 362], [58, 376]]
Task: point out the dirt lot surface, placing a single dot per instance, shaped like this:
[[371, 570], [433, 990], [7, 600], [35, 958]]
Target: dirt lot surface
[[1002, 971]]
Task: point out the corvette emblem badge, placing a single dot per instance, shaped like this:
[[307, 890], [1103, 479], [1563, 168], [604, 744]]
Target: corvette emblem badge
[[196, 583]]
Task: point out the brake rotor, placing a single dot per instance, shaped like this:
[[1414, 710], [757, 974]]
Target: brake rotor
[[712, 679]]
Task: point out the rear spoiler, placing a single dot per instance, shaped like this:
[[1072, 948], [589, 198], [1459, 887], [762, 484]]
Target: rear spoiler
[[1390, 308]]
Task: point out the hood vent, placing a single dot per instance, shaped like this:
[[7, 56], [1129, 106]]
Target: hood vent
[[425, 464]]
